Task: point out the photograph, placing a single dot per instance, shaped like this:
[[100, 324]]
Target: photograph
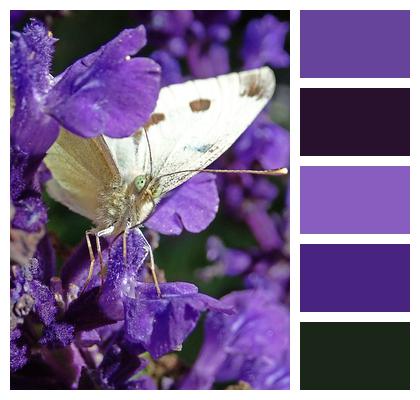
[[149, 200]]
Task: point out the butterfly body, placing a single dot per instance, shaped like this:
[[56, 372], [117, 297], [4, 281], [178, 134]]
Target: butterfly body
[[120, 204]]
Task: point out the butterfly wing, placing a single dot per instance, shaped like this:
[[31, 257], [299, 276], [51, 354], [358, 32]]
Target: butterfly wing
[[81, 168], [195, 122]]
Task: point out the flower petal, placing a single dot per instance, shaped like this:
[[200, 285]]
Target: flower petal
[[118, 366], [265, 142], [122, 277], [171, 69], [30, 214], [251, 345], [192, 206], [107, 92], [161, 324]]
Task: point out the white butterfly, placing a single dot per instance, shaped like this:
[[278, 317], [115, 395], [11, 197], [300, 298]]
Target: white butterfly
[[117, 183]]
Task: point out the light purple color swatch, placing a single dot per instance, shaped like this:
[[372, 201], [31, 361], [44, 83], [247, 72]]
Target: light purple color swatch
[[355, 200]]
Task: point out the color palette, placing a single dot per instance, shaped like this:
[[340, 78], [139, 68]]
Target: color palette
[[350, 122], [355, 355], [355, 44], [355, 200], [358, 200], [354, 277]]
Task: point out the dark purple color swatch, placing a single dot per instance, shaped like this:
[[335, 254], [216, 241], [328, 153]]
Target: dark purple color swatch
[[355, 277], [355, 44], [355, 122], [355, 200]]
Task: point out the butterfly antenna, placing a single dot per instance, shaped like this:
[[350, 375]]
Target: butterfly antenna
[[150, 152], [269, 172]]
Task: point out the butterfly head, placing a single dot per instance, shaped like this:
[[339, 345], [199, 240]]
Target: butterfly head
[[144, 196], [140, 183]]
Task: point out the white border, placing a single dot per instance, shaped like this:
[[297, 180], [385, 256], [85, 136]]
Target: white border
[[296, 83]]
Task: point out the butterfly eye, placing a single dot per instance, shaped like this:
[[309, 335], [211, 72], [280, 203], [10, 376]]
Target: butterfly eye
[[139, 182]]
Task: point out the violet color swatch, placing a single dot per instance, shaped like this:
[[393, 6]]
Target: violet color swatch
[[355, 277], [350, 122], [355, 44], [355, 200]]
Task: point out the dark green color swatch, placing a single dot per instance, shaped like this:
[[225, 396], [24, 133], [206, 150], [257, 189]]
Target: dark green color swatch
[[354, 355]]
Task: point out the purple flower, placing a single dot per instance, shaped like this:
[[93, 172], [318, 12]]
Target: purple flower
[[45, 255], [27, 295], [71, 358], [32, 130], [62, 337], [264, 142], [270, 274], [170, 67], [171, 23], [230, 262], [264, 229], [118, 367], [251, 345], [122, 279], [57, 335], [30, 294], [207, 60], [214, 26], [75, 268], [19, 351], [264, 43], [192, 206], [44, 301], [267, 270], [30, 214], [161, 324], [106, 92]]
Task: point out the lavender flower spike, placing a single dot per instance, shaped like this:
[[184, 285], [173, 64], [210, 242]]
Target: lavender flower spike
[[32, 130]]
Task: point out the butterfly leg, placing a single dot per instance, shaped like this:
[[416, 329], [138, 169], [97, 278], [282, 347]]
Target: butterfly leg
[[104, 232], [125, 234], [153, 270], [92, 260], [101, 259], [152, 264]]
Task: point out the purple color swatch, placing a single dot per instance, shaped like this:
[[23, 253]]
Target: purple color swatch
[[355, 200], [355, 44], [355, 277]]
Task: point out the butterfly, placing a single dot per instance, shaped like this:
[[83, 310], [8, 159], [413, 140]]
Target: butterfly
[[117, 183]]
